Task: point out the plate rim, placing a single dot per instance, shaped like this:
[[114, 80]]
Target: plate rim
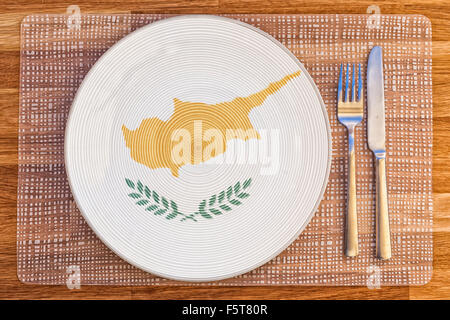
[[324, 112]]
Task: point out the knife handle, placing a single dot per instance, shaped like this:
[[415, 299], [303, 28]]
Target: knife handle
[[351, 224], [382, 211]]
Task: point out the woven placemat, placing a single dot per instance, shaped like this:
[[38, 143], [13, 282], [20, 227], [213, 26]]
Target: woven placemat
[[54, 241]]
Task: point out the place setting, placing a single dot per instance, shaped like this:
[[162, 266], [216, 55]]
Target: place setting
[[225, 150]]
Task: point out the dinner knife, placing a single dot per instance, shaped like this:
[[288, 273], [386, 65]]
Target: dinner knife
[[376, 141]]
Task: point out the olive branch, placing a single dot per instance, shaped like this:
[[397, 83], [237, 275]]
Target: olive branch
[[153, 201], [217, 204], [224, 201]]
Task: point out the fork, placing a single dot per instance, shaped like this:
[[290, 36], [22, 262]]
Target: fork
[[350, 113]]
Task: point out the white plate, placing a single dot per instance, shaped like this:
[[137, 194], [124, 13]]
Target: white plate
[[203, 61]]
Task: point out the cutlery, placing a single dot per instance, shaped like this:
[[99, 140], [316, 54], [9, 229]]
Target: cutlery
[[376, 141], [350, 112]]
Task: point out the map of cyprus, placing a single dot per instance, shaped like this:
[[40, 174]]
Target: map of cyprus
[[196, 131]]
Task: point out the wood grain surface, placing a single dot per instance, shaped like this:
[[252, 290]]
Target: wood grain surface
[[11, 14]]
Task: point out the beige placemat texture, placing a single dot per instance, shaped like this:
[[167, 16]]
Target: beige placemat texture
[[54, 242]]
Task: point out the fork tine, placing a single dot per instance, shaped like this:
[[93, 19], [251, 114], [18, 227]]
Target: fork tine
[[353, 83], [346, 96], [359, 82], [340, 86]]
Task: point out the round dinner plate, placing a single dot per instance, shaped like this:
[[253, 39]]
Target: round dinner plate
[[198, 148]]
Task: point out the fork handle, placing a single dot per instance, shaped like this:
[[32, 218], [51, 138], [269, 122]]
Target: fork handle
[[382, 211], [351, 224]]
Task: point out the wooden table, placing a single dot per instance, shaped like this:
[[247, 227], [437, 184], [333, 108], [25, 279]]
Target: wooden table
[[11, 15]]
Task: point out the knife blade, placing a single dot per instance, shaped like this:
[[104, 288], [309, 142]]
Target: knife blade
[[375, 102], [376, 141]]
